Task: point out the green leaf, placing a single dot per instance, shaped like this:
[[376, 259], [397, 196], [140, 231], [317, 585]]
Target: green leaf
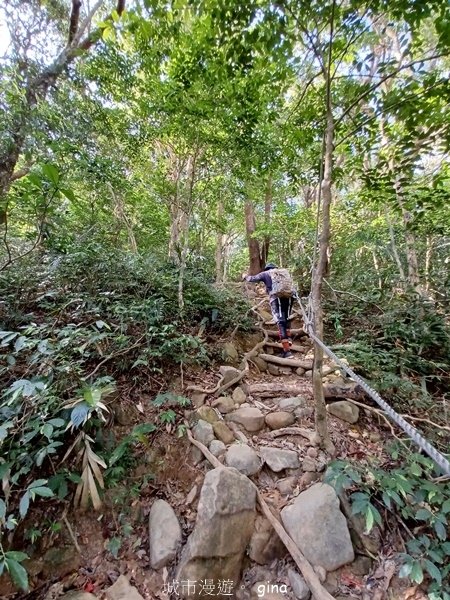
[[405, 570], [416, 469], [433, 570], [114, 546], [47, 430], [51, 172], [18, 573], [369, 518], [69, 194], [19, 556], [2, 509], [44, 492], [440, 530], [416, 573], [24, 504], [37, 483], [423, 514]]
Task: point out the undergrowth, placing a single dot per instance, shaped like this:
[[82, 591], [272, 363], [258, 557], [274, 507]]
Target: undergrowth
[[70, 327]]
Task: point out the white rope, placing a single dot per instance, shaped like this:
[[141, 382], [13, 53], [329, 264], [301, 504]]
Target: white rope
[[438, 458]]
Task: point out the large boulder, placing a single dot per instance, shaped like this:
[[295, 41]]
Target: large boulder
[[318, 527], [223, 432], [164, 534], [224, 404], [290, 404], [203, 432], [243, 458], [279, 419], [228, 373], [250, 418], [208, 414], [215, 549], [278, 459], [346, 411]]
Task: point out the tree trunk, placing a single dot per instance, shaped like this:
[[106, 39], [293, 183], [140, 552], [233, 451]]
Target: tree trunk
[[267, 215], [394, 246], [219, 245], [316, 292], [256, 265]]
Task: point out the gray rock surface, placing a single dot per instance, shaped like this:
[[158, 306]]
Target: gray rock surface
[[317, 526], [217, 448], [250, 418], [164, 534], [278, 459], [203, 432], [224, 525], [279, 419], [243, 458], [298, 585], [346, 411]]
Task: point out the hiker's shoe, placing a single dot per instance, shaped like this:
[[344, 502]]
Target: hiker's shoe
[[287, 355]]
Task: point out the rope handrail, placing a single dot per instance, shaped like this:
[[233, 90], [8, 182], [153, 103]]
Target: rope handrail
[[411, 431]]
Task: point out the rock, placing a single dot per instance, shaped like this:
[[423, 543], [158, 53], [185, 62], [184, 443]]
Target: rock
[[224, 404], [122, 590], [208, 414], [346, 411], [223, 432], [124, 414], [279, 419], [230, 352], [260, 363], [291, 404], [266, 315], [309, 464], [203, 432], [60, 561], [307, 478], [331, 583], [164, 534], [374, 436], [228, 373], [196, 455], [300, 371], [318, 527], [308, 374], [278, 459], [265, 545], [273, 369], [243, 458], [77, 596], [217, 448], [250, 418], [285, 370], [312, 452], [198, 399], [298, 585], [224, 525], [304, 413], [239, 396], [320, 572], [286, 486]]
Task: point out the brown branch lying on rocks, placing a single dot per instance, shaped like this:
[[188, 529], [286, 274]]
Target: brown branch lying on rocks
[[294, 347], [287, 362], [196, 388], [306, 433], [294, 332], [306, 569]]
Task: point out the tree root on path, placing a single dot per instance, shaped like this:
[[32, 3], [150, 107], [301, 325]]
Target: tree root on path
[[305, 567], [306, 433]]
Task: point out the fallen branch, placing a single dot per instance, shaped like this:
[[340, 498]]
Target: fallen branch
[[287, 362], [196, 388], [293, 347], [297, 332], [306, 569], [306, 433]]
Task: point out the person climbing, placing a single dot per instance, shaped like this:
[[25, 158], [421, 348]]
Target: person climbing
[[280, 288]]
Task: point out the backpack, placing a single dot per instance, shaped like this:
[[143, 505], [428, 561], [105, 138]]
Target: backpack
[[282, 283]]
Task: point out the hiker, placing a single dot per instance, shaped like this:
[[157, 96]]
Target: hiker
[[281, 290]]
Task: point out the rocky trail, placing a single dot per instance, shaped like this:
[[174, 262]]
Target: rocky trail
[[250, 464]]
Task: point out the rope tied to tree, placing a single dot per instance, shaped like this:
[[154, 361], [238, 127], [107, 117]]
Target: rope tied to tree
[[411, 431]]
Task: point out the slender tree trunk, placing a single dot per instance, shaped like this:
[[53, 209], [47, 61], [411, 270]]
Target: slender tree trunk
[[219, 245], [394, 246], [267, 216], [428, 254], [256, 265], [316, 292]]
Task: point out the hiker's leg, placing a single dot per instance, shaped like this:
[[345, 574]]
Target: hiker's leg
[[288, 321], [284, 325]]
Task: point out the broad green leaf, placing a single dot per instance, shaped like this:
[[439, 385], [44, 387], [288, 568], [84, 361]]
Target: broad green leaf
[[405, 570], [45, 492], [423, 514], [416, 573], [433, 570], [2, 509], [114, 546], [18, 573], [51, 172], [19, 556], [24, 504]]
